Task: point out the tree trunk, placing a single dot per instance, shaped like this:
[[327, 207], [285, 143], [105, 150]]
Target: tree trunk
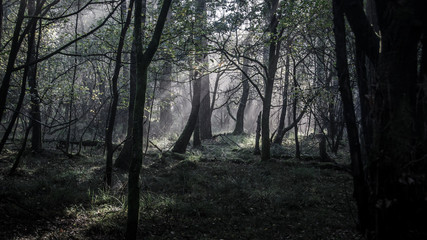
[[124, 158], [397, 171], [239, 128], [115, 97], [273, 57], [14, 50], [36, 138], [294, 114], [204, 111], [278, 139], [360, 189], [165, 97], [142, 64], [183, 140], [257, 150]]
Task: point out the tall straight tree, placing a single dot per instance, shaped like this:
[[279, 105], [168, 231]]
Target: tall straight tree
[[143, 60], [273, 58]]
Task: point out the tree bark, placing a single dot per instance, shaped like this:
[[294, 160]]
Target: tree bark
[[142, 63]]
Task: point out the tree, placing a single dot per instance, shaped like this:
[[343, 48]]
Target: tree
[[113, 107], [36, 138], [396, 167], [143, 60], [191, 125]]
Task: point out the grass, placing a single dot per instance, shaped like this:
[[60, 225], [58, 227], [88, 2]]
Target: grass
[[221, 191]]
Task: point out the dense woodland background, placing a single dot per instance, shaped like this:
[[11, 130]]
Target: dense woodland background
[[200, 119]]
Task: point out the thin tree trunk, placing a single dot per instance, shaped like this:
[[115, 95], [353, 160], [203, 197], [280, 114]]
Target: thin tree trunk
[[124, 158], [21, 151], [70, 107], [294, 114], [36, 138], [14, 50], [165, 98], [257, 150], [278, 139], [115, 100]]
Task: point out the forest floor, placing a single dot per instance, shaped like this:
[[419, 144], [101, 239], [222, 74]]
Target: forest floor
[[221, 191]]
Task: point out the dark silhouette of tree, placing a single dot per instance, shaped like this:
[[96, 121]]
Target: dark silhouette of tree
[[143, 60]]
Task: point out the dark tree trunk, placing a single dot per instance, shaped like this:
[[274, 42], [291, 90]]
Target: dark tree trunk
[[396, 164], [73, 83], [36, 138], [124, 158], [183, 140], [15, 46], [294, 114], [1, 22], [360, 188], [115, 99], [204, 111], [20, 152], [278, 139], [395, 136], [257, 150], [239, 128], [273, 57], [142, 64]]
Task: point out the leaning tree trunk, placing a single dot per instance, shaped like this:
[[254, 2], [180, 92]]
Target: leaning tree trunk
[[14, 50], [183, 140]]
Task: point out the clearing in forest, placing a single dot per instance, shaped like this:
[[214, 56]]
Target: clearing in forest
[[221, 191]]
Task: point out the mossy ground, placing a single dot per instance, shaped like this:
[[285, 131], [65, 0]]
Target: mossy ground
[[221, 191]]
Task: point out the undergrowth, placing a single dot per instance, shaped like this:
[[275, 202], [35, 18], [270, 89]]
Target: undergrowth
[[221, 191]]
